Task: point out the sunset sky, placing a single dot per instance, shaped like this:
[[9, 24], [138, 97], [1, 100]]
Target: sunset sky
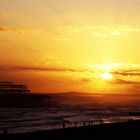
[[71, 45]]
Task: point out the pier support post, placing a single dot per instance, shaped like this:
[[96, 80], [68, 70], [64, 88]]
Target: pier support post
[[64, 125]]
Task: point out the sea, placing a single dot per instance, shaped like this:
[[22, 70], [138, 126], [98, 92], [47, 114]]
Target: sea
[[70, 110]]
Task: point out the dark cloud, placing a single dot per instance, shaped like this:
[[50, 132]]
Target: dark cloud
[[121, 81], [127, 72], [2, 29], [19, 30], [86, 80], [47, 69]]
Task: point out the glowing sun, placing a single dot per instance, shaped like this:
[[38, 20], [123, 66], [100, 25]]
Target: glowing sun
[[107, 75]]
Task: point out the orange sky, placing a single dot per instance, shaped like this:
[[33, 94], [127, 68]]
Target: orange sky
[[68, 45]]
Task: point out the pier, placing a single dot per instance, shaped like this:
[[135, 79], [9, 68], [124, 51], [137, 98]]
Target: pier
[[8, 88]]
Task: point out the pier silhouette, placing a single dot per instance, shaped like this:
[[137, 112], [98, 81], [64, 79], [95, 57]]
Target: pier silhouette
[[18, 95]]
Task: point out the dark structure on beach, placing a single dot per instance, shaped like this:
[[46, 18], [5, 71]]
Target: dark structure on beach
[[8, 88], [18, 95]]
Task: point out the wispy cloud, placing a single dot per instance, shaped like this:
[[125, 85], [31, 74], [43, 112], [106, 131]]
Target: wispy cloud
[[19, 31], [110, 30], [61, 38], [45, 69], [101, 31], [49, 60], [121, 81], [86, 80], [2, 29], [127, 72]]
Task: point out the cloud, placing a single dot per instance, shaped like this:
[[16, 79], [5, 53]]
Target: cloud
[[101, 31], [74, 29], [61, 38], [19, 31], [45, 69], [49, 60], [121, 81], [127, 72], [26, 31], [110, 30], [86, 80], [2, 29]]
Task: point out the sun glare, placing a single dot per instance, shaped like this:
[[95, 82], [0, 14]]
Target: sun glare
[[106, 75]]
